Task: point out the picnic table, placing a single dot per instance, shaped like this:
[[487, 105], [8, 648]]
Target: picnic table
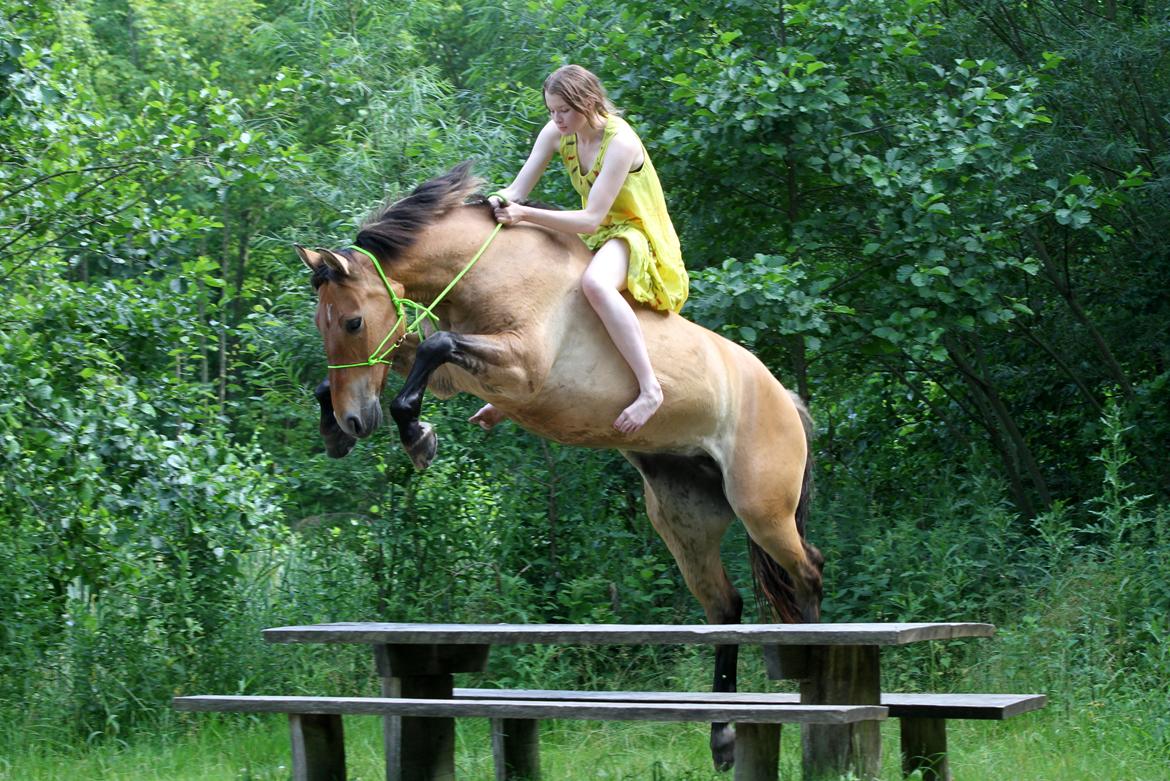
[[837, 665]]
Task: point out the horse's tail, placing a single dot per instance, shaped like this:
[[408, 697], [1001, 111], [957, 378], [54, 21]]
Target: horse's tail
[[771, 582]]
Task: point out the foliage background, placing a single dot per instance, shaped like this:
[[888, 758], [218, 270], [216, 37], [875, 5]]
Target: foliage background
[[943, 221]]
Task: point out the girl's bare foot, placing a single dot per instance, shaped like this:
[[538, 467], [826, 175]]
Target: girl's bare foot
[[635, 416], [487, 417]]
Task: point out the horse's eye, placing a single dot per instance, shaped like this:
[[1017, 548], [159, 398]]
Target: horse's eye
[[353, 324]]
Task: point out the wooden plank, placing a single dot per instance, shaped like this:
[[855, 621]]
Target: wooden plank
[[757, 752], [528, 709], [626, 634], [989, 707], [924, 749], [842, 674], [963, 706], [318, 747]]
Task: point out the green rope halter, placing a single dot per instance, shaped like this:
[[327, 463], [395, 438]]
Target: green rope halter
[[401, 305]]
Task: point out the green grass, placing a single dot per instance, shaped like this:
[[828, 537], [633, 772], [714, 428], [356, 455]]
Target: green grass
[[1090, 742]]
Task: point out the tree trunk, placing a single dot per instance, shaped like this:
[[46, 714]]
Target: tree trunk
[[243, 248], [1067, 370], [1006, 435], [224, 302], [1062, 282]]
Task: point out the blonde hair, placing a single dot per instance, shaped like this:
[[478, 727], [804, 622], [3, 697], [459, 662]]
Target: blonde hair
[[581, 89]]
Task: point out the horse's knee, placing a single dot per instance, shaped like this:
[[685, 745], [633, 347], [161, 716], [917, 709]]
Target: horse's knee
[[435, 350]]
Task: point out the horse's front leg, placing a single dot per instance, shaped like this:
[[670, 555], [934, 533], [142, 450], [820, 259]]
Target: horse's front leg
[[492, 360], [337, 442]]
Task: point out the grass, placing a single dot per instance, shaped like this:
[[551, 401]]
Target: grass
[[1059, 744]]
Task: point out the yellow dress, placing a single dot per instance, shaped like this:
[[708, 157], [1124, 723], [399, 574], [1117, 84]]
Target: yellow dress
[[657, 276]]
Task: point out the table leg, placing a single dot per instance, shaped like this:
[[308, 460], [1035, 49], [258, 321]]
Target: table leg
[[757, 752], [842, 675], [924, 748], [516, 749], [422, 749], [318, 747]]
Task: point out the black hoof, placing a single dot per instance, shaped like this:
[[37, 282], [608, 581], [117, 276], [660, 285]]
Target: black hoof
[[723, 747], [422, 450], [337, 442]]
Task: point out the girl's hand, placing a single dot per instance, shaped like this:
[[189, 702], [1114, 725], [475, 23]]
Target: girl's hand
[[508, 215]]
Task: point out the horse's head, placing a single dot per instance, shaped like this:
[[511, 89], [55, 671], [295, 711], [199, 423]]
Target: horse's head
[[359, 311], [358, 322]]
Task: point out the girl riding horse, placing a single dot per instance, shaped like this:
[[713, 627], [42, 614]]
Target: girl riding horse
[[622, 218]]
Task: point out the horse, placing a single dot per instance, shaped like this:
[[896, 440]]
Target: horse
[[516, 331]]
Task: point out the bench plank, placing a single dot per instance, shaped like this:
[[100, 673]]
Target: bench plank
[[991, 707], [752, 713], [627, 634]]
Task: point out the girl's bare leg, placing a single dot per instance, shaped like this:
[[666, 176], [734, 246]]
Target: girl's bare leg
[[603, 283]]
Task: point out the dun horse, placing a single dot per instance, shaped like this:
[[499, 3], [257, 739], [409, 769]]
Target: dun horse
[[729, 441]]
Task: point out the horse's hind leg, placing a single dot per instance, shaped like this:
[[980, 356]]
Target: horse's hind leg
[[684, 499], [766, 472]]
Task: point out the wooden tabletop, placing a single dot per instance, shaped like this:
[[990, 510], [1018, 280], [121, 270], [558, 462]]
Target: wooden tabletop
[[625, 634]]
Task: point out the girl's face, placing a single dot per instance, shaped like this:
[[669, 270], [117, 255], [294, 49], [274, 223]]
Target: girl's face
[[567, 119]]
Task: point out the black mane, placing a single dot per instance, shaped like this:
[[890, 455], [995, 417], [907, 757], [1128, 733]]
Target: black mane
[[391, 228]]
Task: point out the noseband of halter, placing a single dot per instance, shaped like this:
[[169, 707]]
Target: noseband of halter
[[421, 313]]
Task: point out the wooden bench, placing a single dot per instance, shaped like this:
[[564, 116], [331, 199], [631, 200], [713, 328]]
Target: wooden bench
[[923, 720], [319, 752]]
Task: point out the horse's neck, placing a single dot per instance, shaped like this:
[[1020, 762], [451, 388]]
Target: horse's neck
[[523, 270]]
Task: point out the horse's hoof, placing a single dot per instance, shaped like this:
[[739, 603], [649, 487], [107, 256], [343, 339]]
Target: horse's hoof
[[338, 445], [337, 442], [723, 748], [422, 450]]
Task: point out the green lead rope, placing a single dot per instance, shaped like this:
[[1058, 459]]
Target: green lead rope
[[401, 305]]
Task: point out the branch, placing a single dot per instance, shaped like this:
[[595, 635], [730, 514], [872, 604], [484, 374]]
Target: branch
[[88, 169]]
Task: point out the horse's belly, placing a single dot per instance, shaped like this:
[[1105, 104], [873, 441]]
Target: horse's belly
[[589, 384]]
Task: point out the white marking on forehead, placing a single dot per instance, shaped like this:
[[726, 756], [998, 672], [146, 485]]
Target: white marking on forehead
[[329, 314]]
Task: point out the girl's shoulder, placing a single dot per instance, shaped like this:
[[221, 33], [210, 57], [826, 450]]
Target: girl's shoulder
[[623, 134]]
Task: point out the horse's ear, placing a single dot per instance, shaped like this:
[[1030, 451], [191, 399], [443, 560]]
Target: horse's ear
[[311, 258], [335, 261]]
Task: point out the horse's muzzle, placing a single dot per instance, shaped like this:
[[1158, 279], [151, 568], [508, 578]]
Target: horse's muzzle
[[360, 426]]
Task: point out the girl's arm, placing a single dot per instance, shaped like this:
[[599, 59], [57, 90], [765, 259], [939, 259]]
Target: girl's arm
[[542, 151], [619, 159]]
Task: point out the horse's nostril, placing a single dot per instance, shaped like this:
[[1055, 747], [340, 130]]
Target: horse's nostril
[[355, 425]]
